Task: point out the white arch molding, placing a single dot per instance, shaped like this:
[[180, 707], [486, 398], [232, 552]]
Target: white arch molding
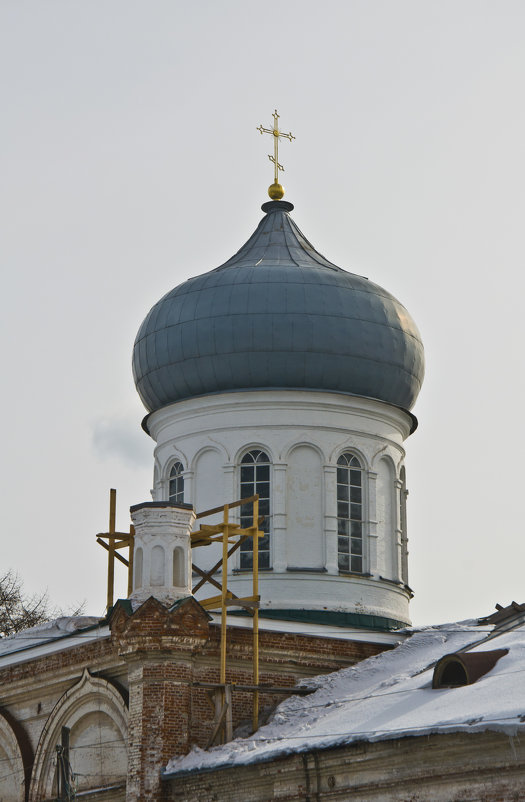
[[97, 717], [253, 446], [291, 445], [218, 448], [12, 782]]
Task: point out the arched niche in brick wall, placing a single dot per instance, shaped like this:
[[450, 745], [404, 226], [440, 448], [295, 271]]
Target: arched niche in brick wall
[[97, 717], [12, 773]]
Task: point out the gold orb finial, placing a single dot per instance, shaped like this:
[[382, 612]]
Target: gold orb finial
[[276, 191]]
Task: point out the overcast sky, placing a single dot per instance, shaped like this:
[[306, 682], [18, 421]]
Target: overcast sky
[[130, 160]]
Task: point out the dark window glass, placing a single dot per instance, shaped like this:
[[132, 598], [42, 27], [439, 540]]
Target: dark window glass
[[264, 506], [246, 473], [355, 494], [263, 489], [255, 479], [342, 510], [264, 543], [176, 491], [343, 562], [350, 515], [246, 509], [357, 565], [357, 545], [342, 492]]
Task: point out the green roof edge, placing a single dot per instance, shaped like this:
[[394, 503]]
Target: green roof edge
[[331, 618]]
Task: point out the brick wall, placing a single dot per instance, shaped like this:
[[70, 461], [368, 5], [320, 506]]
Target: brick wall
[[455, 767], [157, 656], [168, 651]]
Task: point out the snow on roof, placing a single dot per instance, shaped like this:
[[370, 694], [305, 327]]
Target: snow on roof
[[386, 697], [46, 633]]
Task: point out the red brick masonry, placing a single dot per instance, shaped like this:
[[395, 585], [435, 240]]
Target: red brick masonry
[[154, 656]]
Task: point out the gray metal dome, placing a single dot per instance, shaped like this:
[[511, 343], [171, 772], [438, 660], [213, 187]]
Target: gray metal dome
[[278, 315]]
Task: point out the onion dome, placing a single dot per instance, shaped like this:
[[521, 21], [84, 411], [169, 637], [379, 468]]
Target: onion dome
[[278, 315]]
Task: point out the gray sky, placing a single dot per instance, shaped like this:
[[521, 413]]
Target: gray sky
[[130, 160]]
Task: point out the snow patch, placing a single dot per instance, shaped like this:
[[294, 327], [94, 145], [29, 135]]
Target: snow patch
[[49, 630], [388, 696]]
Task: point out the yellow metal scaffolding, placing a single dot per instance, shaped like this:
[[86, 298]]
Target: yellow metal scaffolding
[[114, 542], [231, 535]]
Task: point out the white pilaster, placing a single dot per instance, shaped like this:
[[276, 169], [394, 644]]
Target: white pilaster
[[330, 518], [279, 561], [398, 543], [372, 523]]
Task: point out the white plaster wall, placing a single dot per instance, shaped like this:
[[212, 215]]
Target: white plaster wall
[[304, 433], [304, 498], [325, 592], [97, 718], [208, 480], [96, 747], [208, 492], [162, 544], [386, 546]]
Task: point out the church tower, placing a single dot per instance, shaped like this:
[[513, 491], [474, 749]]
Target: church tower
[[282, 374]]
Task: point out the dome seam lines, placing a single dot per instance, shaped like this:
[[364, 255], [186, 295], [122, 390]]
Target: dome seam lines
[[299, 314], [279, 351]]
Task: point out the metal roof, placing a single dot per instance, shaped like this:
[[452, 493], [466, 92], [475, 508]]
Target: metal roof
[[278, 315]]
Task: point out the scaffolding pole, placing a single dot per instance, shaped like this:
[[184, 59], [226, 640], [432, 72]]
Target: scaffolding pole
[[115, 542], [231, 535], [111, 544], [255, 620], [224, 594]]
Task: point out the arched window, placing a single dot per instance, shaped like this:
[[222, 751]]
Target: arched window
[[177, 483], [350, 514], [255, 478]]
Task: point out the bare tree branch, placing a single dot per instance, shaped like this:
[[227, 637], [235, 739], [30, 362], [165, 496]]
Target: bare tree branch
[[19, 611]]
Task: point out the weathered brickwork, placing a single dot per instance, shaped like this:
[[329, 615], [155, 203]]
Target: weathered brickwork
[[101, 653], [284, 659], [436, 768], [154, 657]]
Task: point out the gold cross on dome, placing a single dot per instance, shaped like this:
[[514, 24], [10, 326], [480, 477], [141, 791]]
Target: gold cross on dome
[[276, 191]]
